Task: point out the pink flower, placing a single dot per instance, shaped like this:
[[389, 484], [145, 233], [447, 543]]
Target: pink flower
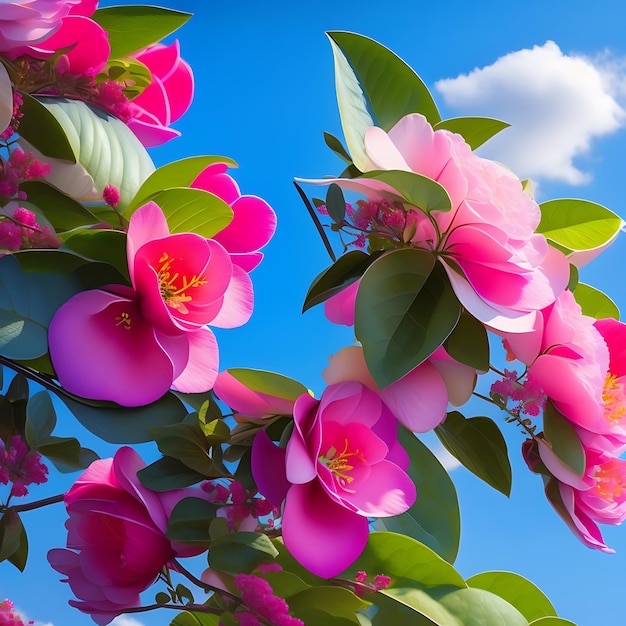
[[342, 465], [165, 99], [254, 221], [28, 22], [152, 337], [501, 271], [116, 544], [419, 400]]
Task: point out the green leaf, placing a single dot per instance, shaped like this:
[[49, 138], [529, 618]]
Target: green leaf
[[177, 174], [167, 474], [434, 519], [284, 584], [405, 309], [573, 277], [106, 148], [240, 552], [270, 383], [420, 191], [20, 556], [43, 131], [578, 224], [195, 618], [392, 87], [117, 424], [40, 418], [63, 212], [478, 443], [468, 343], [337, 147], [108, 246], [561, 436], [11, 530], [193, 210], [315, 605], [335, 203], [131, 73], [190, 520], [131, 28], [162, 598], [28, 302], [342, 273], [526, 597], [552, 621], [595, 303], [66, 453], [475, 130]]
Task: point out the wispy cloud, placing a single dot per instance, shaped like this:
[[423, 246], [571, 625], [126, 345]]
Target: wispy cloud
[[556, 103], [123, 620]]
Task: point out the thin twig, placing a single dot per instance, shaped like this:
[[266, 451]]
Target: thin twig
[[316, 221], [196, 581], [29, 506]]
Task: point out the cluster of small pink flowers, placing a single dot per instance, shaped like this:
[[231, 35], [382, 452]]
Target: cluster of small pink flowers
[[9, 131], [22, 232], [259, 597], [109, 95], [527, 393], [111, 195], [8, 616], [20, 466], [242, 506], [363, 587], [19, 167]]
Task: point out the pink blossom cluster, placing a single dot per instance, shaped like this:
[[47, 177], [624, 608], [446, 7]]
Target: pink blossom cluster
[[8, 616], [19, 167], [362, 587], [259, 597], [530, 398], [17, 115], [579, 364], [241, 507], [21, 231], [20, 466]]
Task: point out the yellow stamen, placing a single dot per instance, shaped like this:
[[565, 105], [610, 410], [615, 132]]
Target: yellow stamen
[[614, 399], [338, 464], [609, 482], [124, 320], [174, 293]]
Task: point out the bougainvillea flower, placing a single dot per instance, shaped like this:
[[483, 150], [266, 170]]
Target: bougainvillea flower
[[420, 398], [254, 221], [341, 465], [116, 543], [27, 22], [165, 99], [246, 401], [500, 269]]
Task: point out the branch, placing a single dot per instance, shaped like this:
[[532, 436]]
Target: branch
[[316, 221]]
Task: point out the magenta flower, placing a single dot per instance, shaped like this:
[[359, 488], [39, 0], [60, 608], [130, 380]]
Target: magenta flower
[[152, 337], [507, 272], [342, 465], [419, 400], [254, 221], [165, 99], [116, 543]]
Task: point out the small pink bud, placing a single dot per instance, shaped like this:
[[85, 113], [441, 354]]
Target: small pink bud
[[111, 195]]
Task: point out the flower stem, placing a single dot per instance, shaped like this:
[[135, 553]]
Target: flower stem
[[37, 504], [318, 225]]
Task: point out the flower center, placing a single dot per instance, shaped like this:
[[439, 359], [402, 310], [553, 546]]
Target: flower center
[[174, 287], [614, 399], [341, 463], [610, 480], [124, 320]]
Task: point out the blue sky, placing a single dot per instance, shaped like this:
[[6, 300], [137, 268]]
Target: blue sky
[[265, 94]]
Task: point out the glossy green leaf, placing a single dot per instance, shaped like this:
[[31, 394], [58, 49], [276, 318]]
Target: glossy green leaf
[[269, 383], [405, 309], [578, 224], [66, 453], [177, 174], [393, 89], [193, 210], [475, 130], [420, 191], [131, 28], [63, 212], [284, 584], [434, 519], [105, 147], [563, 439], [240, 552], [343, 272], [191, 618], [552, 621], [335, 203], [321, 606], [108, 246], [131, 73], [43, 131], [166, 474], [117, 424], [526, 597], [28, 302], [478, 443], [10, 533], [468, 343], [190, 520], [595, 303], [40, 418], [337, 147], [20, 556], [573, 277]]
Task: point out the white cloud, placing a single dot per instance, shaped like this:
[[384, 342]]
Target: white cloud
[[557, 105], [40, 623], [123, 620]]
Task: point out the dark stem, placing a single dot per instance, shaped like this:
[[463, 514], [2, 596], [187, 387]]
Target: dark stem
[[196, 581], [29, 506], [42, 379], [316, 221], [200, 608]]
